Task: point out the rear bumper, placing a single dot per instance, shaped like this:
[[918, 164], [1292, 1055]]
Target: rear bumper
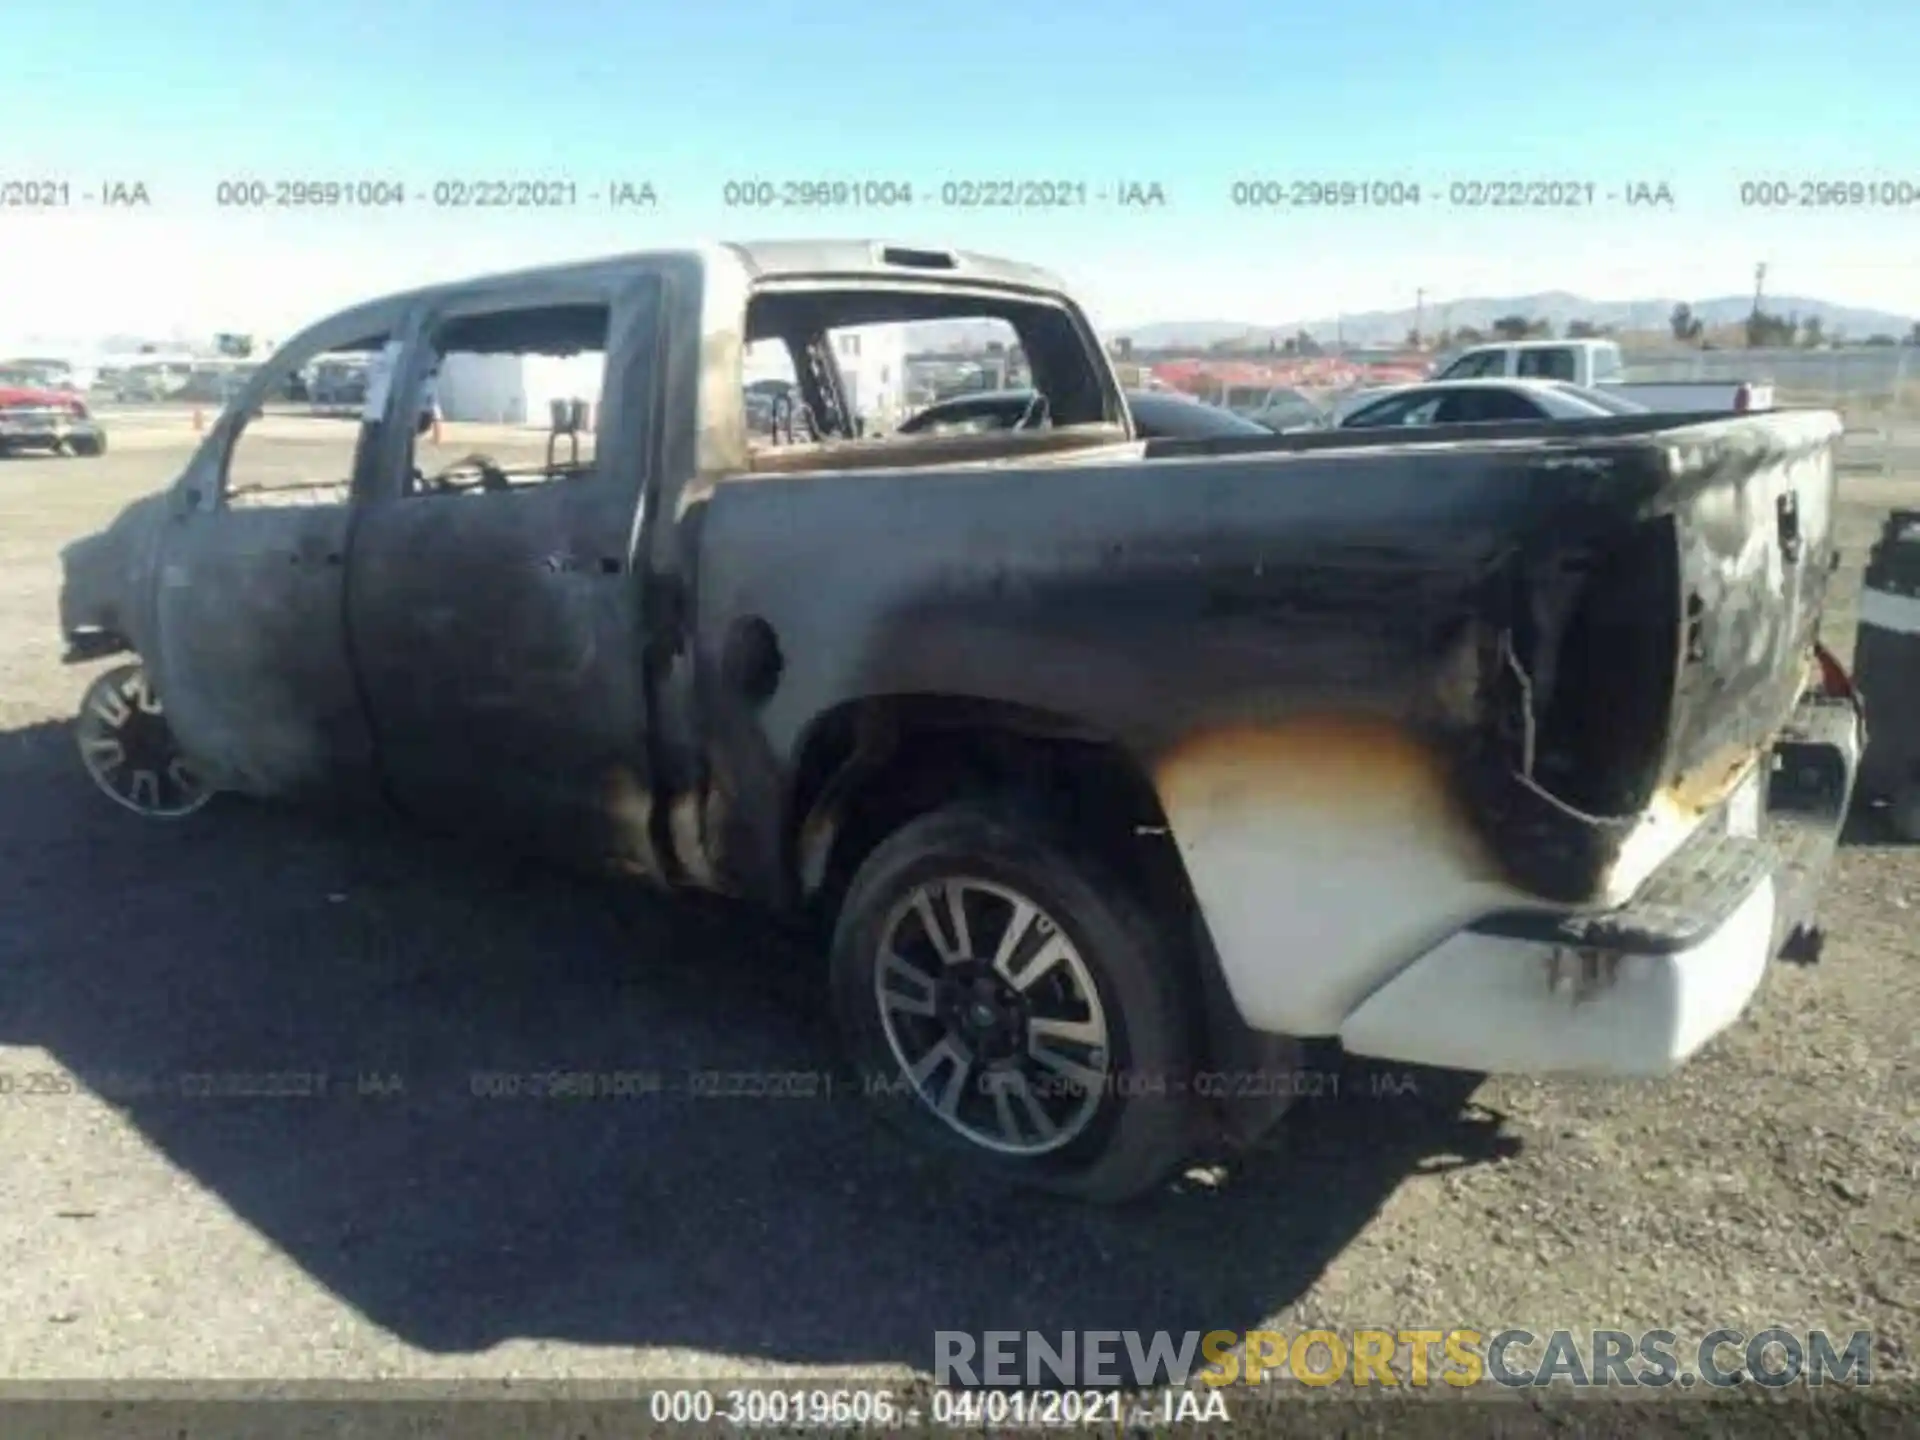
[[45, 431], [1637, 990]]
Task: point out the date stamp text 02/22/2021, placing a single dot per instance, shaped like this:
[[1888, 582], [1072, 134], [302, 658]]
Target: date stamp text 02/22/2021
[[1570, 192], [459, 192], [745, 193], [978, 192]]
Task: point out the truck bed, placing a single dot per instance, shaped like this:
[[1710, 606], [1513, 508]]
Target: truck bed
[[1586, 631]]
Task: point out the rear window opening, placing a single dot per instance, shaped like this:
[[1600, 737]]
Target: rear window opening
[[887, 371]]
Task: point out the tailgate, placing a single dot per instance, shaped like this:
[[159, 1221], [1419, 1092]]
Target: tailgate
[[1752, 505]]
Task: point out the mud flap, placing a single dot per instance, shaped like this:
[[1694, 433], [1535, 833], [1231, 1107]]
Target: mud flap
[[1886, 667], [1258, 1074]]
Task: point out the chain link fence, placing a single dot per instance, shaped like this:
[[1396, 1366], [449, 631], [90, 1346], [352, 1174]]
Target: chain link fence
[[1876, 389]]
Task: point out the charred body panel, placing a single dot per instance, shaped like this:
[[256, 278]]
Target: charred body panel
[[1489, 638], [106, 584], [1753, 510]]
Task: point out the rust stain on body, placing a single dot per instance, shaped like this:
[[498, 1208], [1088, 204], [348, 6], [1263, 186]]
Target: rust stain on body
[[1347, 771]]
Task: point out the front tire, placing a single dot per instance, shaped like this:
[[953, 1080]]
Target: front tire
[[129, 750], [89, 446], [1006, 999], [1903, 813]]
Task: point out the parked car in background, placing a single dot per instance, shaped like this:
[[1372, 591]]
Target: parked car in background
[[44, 375], [337, 384], [1486, 402], [1278, 409], [1286, 411], [763, 399], [1157, 414], [207, 384], [1343, 403], [35, 418], [1598, 364], [151, 381], [1169, 415]]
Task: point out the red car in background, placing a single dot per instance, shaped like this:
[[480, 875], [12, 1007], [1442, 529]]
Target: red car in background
[[33, 417]]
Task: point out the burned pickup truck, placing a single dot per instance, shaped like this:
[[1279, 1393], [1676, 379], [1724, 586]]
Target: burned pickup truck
[[1111, 770]]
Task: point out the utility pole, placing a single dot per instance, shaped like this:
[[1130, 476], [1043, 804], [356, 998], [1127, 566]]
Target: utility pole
[[1419, 315]]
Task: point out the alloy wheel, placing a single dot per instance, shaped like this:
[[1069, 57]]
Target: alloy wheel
[[993, 1015], [129, 749]]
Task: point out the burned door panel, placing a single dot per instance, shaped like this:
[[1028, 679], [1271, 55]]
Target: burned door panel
[[252, 660], [241, 607], [496, 624]]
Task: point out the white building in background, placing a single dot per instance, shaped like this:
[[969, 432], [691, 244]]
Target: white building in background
[[516, 389], [873, 363]]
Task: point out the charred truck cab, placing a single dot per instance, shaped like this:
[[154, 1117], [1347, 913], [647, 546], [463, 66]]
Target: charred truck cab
[[1105, 766]]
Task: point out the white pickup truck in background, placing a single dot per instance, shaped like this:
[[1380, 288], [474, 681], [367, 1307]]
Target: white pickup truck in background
[[1598, 363]]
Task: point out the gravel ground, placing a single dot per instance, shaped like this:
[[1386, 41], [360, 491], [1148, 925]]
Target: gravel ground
[[403, 1226]]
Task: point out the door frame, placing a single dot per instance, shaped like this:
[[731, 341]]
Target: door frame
[[628, 442], [318, 740]]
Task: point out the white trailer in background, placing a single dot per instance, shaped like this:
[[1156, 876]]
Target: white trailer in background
[[873, 366], [872, 360], [516, 389]]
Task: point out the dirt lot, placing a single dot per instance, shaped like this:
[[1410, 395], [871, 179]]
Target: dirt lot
[[403, 1226]]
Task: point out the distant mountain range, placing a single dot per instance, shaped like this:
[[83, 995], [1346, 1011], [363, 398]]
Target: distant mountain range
[[1390, 327], [1369, 328]]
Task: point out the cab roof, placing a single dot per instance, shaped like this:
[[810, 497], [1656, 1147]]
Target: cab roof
[[765, 260]]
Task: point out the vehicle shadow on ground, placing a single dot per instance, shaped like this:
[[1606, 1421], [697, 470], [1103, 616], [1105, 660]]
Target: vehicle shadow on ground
[[247, 941], [1870, 825]]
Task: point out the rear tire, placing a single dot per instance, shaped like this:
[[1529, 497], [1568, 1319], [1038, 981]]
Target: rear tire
[[1903, 813], [1063, 1067]]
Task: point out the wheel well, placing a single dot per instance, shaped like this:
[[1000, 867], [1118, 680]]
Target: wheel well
[[874, 767], [871, 767], [96, 642]]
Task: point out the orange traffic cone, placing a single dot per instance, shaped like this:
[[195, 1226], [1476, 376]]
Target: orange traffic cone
[[436, 427]]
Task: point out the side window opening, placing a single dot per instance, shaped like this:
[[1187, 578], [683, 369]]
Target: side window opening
[[948, 360], [1554, 363], [1489, 407], [1485, 365], [512, 399], [1400, 410], [303, 442]]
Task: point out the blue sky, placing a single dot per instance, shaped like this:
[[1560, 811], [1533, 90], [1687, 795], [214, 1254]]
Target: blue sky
[[1192, 97]]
